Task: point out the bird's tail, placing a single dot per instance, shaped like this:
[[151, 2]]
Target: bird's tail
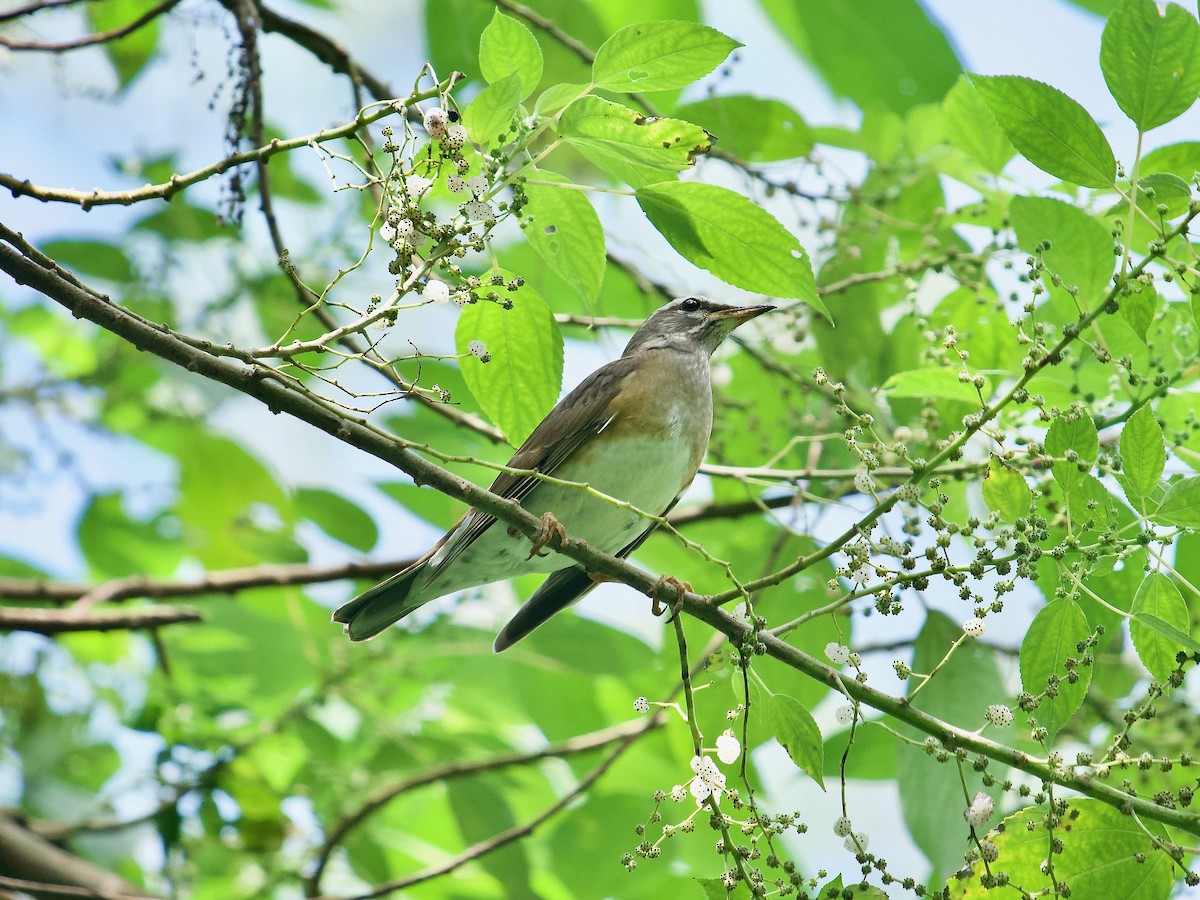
[[372, 611]]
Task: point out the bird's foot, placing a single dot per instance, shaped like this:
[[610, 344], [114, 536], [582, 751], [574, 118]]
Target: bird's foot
[[551, 528], [682, 589]]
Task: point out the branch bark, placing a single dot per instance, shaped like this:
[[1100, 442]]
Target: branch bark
[[35, 866], [61, 621]]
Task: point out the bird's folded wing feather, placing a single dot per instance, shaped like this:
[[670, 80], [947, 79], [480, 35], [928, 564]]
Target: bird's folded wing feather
[[581, 415]]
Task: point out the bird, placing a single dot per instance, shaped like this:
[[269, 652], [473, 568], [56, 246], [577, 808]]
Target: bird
[[635, 430]]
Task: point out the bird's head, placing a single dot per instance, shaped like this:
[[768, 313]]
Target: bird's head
[[691, 323]]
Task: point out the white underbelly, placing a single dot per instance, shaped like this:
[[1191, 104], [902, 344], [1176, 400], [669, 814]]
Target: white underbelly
[[645, 473]]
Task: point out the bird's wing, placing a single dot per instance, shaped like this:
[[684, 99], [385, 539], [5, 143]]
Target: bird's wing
[[560, 590], [580, 415]]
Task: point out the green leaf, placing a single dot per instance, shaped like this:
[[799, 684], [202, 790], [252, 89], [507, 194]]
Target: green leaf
[[95, 258], [566, 232], [1051, 639], [732, 237], [492, 110], [1143, 451], [1005, 491], [972, 129], [181, 223], [940, 383], [1073, 432], [1181, 505], [1151, 61], [659, 56], [130, 53], [337, 517], [557, 96], [929, 799], [797, 731], [714, 889], [1159, 599], [1105, 854], [628, 145], [1183, 159], [1170, 632], [1050, 129], [506, 48], [1080, 250], [753, 129], [1138, 308], [872, 756], [879, 53], [521, 382]]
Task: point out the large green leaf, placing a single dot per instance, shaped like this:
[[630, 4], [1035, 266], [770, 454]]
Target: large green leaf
[[1151, 61], [129, 54], [1005, 491], [931, 798], [1158, 596], [938, 382], [972, 129], [737, 240], [337, 517], [566, 232], [879, 53], [1050, 129], [628, 145], [1080, 251], [520, 383], [1143, 451], [492, 110], [95, 258], [754, 129], [796, 730], [1181, 505], [1105, 853], [658, 56], [1051, 640], [507, 48]]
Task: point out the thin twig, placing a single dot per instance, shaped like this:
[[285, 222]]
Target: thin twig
[[100, 37]]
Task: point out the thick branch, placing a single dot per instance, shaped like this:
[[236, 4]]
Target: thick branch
[[60, 621], [39, 868]]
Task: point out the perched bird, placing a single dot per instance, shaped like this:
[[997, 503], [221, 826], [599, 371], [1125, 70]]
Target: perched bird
[[635, 430]]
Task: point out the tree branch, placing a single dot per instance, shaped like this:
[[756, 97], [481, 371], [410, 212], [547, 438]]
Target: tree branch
[[101, 37], [61, 621], [37, 867], [30, 8]]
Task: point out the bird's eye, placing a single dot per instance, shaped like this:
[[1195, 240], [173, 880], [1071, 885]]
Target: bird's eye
[[691, 304]]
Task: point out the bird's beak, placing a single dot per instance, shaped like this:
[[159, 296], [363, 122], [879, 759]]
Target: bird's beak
[[740, 314]]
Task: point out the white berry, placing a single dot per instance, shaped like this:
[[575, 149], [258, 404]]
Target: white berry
[[999, 715], [387, 231], [478, 211], [455, 183], [842, 826], [860, 839], [416, 185], [729, 748], [479, 350], [989, 851], [980, 810], [838, 653], [845, 714], [436, 121], [641, 704], [864, 483], [478, 184], [437, 291], [973, 627]]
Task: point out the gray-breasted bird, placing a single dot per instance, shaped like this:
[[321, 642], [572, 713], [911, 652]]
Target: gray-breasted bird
[[635, 429]]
